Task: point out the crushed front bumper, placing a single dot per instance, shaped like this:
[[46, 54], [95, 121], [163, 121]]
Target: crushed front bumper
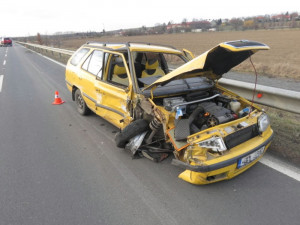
[[222, 170]]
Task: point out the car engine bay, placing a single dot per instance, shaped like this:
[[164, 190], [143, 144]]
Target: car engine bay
[[199, 111]]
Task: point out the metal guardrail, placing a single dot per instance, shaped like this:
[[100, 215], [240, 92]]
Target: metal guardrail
[[47, 48], [61, 55], [270, 96]]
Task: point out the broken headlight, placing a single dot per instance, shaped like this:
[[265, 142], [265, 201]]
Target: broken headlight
[[263, 122], [214, 143]]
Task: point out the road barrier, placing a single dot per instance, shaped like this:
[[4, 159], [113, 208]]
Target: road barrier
[[61, 55], [270, 96]]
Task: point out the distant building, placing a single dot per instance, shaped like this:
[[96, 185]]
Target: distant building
[[196, 30], [179, 26]]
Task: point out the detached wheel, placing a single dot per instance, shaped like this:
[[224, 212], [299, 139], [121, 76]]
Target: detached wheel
[[133, 129], [80, 103]]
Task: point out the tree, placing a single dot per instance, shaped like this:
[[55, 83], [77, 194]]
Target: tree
[[236, 23], [39, 39], [249, 24], [170, 22], [219, 22]]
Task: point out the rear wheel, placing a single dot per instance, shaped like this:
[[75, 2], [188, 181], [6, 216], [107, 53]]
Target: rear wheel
[[80, 103]]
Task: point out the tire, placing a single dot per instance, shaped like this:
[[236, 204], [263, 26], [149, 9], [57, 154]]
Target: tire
[[80, 103], [133, 129]]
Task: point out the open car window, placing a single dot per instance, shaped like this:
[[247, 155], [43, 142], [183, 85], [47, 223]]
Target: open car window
[[166, 61], [173, 61], [116, 70]]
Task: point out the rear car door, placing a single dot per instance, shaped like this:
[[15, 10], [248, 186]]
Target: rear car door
[[73, 75], [90, 71]]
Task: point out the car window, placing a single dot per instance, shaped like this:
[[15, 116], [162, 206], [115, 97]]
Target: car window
[[87, 62], [173, 61], [94, 62], [116, 70], [151, 56], [78, 56]]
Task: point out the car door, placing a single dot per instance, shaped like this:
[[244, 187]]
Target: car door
[[73, 76], [114, 90], [90, 70]]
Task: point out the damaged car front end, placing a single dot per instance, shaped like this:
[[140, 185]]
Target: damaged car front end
[[213, 133]]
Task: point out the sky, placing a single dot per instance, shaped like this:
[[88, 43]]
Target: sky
[[29, 17]]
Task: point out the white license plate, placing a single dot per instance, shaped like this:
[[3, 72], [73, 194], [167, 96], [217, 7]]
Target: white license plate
[[250, 158]]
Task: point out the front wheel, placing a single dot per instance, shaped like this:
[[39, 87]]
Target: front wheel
[[80, 103], [134, 128]]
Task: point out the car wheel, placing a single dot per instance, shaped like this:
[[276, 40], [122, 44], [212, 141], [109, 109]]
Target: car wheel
[[80, 103], [133, 129]]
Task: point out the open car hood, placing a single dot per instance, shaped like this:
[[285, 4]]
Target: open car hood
[[213, 63]]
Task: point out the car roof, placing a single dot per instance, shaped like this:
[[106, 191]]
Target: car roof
[[134, 46]]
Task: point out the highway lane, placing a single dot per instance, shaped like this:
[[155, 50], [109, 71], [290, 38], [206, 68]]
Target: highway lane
[[57, 167]]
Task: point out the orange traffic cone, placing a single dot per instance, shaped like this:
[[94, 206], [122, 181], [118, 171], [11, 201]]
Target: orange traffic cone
[[57, 100]]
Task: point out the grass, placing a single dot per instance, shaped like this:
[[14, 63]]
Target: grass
[[282, 60], [286, 127]]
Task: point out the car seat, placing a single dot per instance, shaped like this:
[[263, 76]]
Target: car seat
[[152, 69], [119, 74]]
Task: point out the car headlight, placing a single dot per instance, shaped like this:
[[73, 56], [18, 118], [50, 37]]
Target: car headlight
[[263, 122], [214, 143]]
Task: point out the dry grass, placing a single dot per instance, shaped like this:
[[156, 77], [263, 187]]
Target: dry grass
[[286, 127], [281, 61]]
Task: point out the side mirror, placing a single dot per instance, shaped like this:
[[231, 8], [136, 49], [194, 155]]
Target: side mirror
[[188, 54]]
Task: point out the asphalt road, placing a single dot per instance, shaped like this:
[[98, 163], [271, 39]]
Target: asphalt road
[[57, 167]]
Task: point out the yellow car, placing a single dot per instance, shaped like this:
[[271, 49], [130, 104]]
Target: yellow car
[[167, 101]]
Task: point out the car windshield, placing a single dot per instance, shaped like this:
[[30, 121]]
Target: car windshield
[[156, 63]]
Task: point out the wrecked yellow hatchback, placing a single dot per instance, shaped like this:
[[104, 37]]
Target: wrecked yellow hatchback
[[167, 102]]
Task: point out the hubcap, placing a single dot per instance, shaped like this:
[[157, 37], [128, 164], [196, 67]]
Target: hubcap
[[80, 101]]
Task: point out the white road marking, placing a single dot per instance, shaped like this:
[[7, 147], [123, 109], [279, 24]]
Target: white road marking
[[52, 60], [281, 166], [1, 82], [4, 62]]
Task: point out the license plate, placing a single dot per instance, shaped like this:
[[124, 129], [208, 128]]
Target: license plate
[[250, 158]]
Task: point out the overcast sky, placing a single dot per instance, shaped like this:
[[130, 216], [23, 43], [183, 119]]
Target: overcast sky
[[28, 17]]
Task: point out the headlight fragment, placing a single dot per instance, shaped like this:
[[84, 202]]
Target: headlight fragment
[[263, 122], [214, 143]]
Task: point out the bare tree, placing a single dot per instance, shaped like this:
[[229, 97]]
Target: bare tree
[[236, 23], [39, 39]]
